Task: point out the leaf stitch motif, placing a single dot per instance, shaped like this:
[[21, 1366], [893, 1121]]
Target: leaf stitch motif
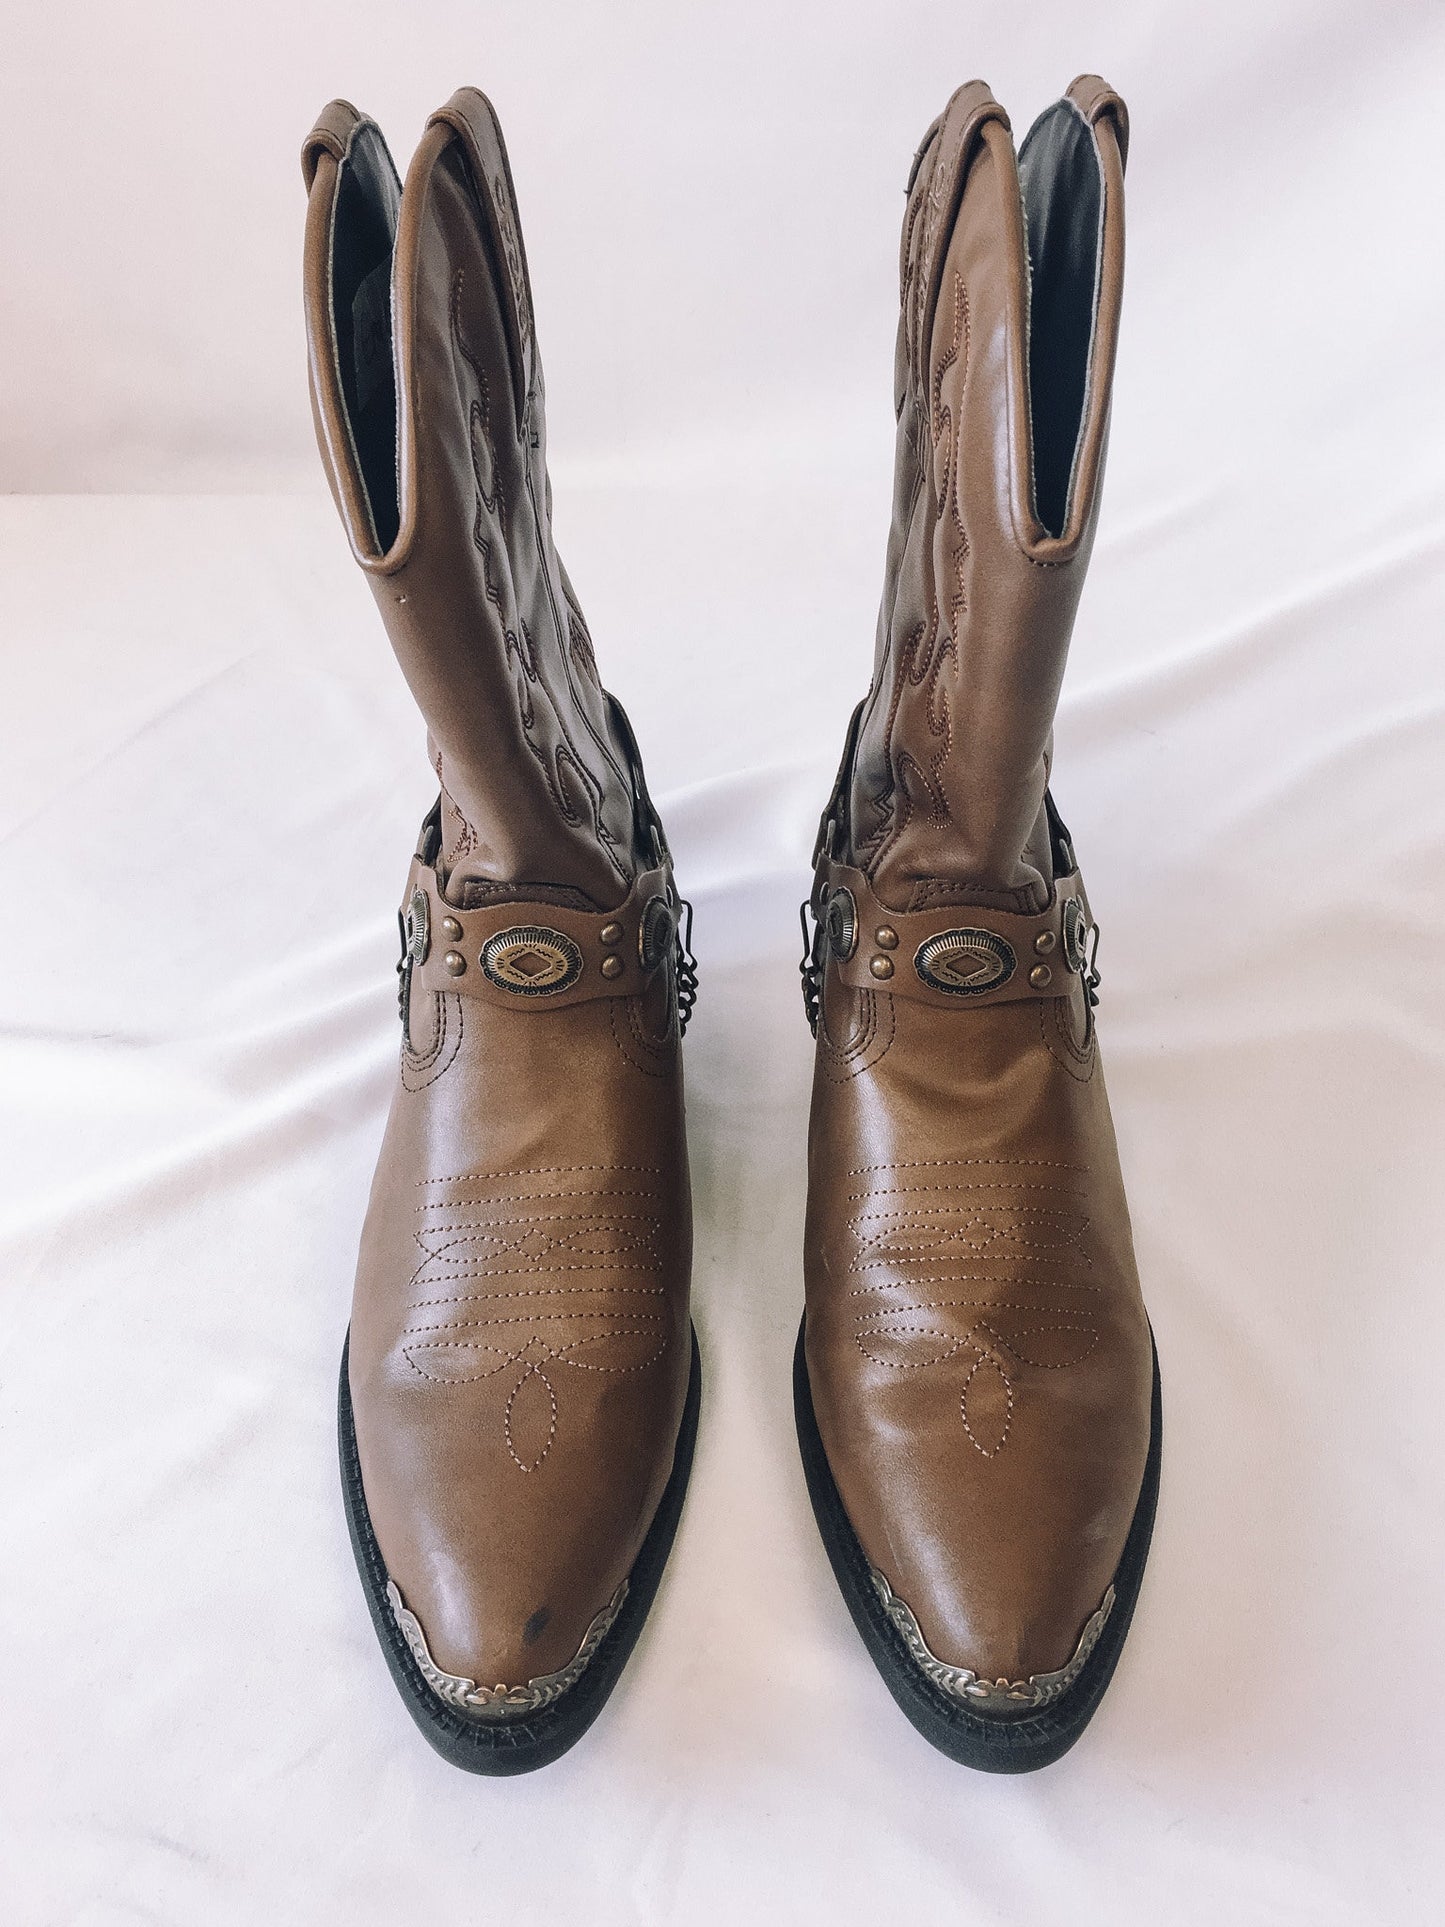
[[923, 655], [572, 784]]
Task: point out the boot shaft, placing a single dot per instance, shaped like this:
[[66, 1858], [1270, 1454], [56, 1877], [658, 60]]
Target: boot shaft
[[428, 397], [1011, 277]]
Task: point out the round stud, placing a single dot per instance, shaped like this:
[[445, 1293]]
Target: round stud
[[611, 933], [886, 937], [451, 930], [1044, 943], [1076, 935], [881, 966], [656, 932], [1041, 976], [454, 963], [841, 922], [612, 966]]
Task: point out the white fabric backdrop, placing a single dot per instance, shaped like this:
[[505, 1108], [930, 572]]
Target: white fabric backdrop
[[210, 776]]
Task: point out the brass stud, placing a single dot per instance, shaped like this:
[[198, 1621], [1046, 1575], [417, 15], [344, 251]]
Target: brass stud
[[1044, 942], [1041, 976], [611, 933], [612, 966], [454, 963], [881, 966], [887, 937], [451, 930]]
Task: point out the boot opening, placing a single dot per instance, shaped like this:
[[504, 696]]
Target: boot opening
[[1063, 195], [363, 239]]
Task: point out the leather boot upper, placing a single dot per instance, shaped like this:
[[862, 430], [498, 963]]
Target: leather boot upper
[[519, 1339], [427, 390], [978, 1353], [947, 784]]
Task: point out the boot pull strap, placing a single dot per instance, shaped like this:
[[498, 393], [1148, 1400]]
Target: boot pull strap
[[473, 119], [938, 185], [1097, 102], [333, 133]]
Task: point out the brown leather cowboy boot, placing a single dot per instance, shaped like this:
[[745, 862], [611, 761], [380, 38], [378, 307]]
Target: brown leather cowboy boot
[[976, 1397], [518, 1410]]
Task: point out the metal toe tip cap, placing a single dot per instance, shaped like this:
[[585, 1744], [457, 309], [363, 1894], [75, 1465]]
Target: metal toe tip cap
[[975, 1690], [501, 1701]]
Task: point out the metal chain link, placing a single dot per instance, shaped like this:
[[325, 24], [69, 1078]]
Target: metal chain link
[[686, 967], [811, 968]]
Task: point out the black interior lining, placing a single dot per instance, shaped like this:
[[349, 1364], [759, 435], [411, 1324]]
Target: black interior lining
[[363, 240], [1063, 195]]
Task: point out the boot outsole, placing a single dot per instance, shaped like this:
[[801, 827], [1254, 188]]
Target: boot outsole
[[992, 1743], [515, 1746]]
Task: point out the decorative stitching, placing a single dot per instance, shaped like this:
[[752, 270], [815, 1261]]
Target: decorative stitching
[[948, 1164], [946, 1231], [541, 1291], [552, 1351], [947, 1304], [662, 1055], [981, 1278], [465, 840], [441, 1053], [544, 1171], [987, 1358], [518, 644], [901, 1191], [909, 1242], [660, 1046], [866, 1046], [931, 644], [532, 1371], [485, 1234], [526, 1197], [538, 1197], [458, 1251], [1078, 1062]]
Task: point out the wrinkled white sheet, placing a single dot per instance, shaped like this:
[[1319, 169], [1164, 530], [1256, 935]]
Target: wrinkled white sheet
[[210, 778]]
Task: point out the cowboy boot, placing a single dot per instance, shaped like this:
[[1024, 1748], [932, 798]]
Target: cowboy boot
[[976, 1396], [519, 1396]]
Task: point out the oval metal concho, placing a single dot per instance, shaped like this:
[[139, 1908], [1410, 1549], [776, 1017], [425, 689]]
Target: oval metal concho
[[841, 921], [418, 928], [656, 932], [965, 963], [531, 960], [1076, 934]]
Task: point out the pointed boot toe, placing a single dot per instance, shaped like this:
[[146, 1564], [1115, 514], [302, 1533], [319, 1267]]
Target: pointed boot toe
[[996, 1631]]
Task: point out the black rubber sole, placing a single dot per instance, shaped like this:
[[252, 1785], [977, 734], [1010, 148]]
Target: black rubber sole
[[515, 1746], [993, 1743]]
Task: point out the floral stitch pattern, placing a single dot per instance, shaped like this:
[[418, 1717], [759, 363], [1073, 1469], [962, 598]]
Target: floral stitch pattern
[[515, 1298], [979, 1274]]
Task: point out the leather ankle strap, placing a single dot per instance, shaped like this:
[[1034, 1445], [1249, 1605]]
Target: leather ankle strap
[[538, 956], [951, 957]]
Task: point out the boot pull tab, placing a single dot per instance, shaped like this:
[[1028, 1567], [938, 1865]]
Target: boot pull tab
[[471, 116], [937, 190], [1097, 101], [930, 136], [333, 133]]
